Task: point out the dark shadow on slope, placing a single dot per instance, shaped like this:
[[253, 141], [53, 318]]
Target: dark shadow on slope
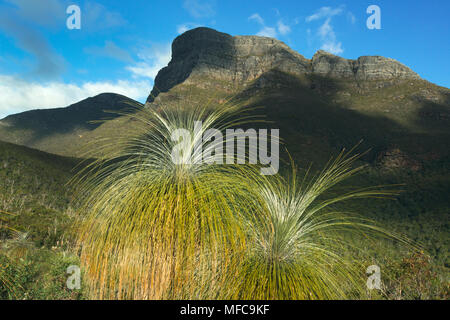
[[314, 125], [84, 115], [190, 51], [433, 116]]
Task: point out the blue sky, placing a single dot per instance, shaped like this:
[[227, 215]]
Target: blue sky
[[122, 44]]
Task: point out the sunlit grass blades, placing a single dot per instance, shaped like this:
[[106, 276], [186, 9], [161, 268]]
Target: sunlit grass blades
[[298, 244], [155, 229]]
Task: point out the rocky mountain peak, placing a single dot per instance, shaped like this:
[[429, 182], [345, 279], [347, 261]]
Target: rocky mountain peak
[[207, 53]]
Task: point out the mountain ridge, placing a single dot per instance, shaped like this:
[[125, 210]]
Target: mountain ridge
[[240, 59], [57, 130], [396, 112], [104, 98]]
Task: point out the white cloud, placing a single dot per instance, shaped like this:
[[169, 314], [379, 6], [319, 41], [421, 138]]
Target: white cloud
[[151, 60], [267, 32], [257, 18], [144, 70], [351, 17], [326, 32], [328, 36], [325, 29], [200, 8], [324, 12], [332, 47], [17, 95], [283, 28], [182, 28]]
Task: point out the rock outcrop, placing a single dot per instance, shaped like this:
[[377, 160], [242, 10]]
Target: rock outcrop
[[204, 52], [394, 158], [363, 68]]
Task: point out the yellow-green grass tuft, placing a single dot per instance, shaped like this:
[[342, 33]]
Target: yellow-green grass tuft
[[299, 245], [154, 229]]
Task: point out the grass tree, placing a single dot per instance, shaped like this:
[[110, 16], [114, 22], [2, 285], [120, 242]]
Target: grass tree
[[299, 244], [154, 228]]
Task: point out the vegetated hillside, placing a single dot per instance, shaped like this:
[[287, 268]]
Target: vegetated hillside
[[320, 106], [33, 187], [35, 216], [318, 116], [61, 130]]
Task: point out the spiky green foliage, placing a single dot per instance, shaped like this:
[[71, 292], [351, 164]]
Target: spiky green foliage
[[32, 185], [3, 220], [155, 229], [298, 243], [6, 282]]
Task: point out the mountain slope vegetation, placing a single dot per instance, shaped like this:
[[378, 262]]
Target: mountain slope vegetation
[[321, 106]]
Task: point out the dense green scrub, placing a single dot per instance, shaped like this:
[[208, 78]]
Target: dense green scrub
[[34, 259]]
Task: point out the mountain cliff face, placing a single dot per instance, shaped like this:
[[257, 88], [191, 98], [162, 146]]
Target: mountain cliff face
[[363, 68], [323, 103], [204, 52]]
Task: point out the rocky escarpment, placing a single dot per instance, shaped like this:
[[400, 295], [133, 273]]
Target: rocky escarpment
[[204, 52], [363, 68]]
